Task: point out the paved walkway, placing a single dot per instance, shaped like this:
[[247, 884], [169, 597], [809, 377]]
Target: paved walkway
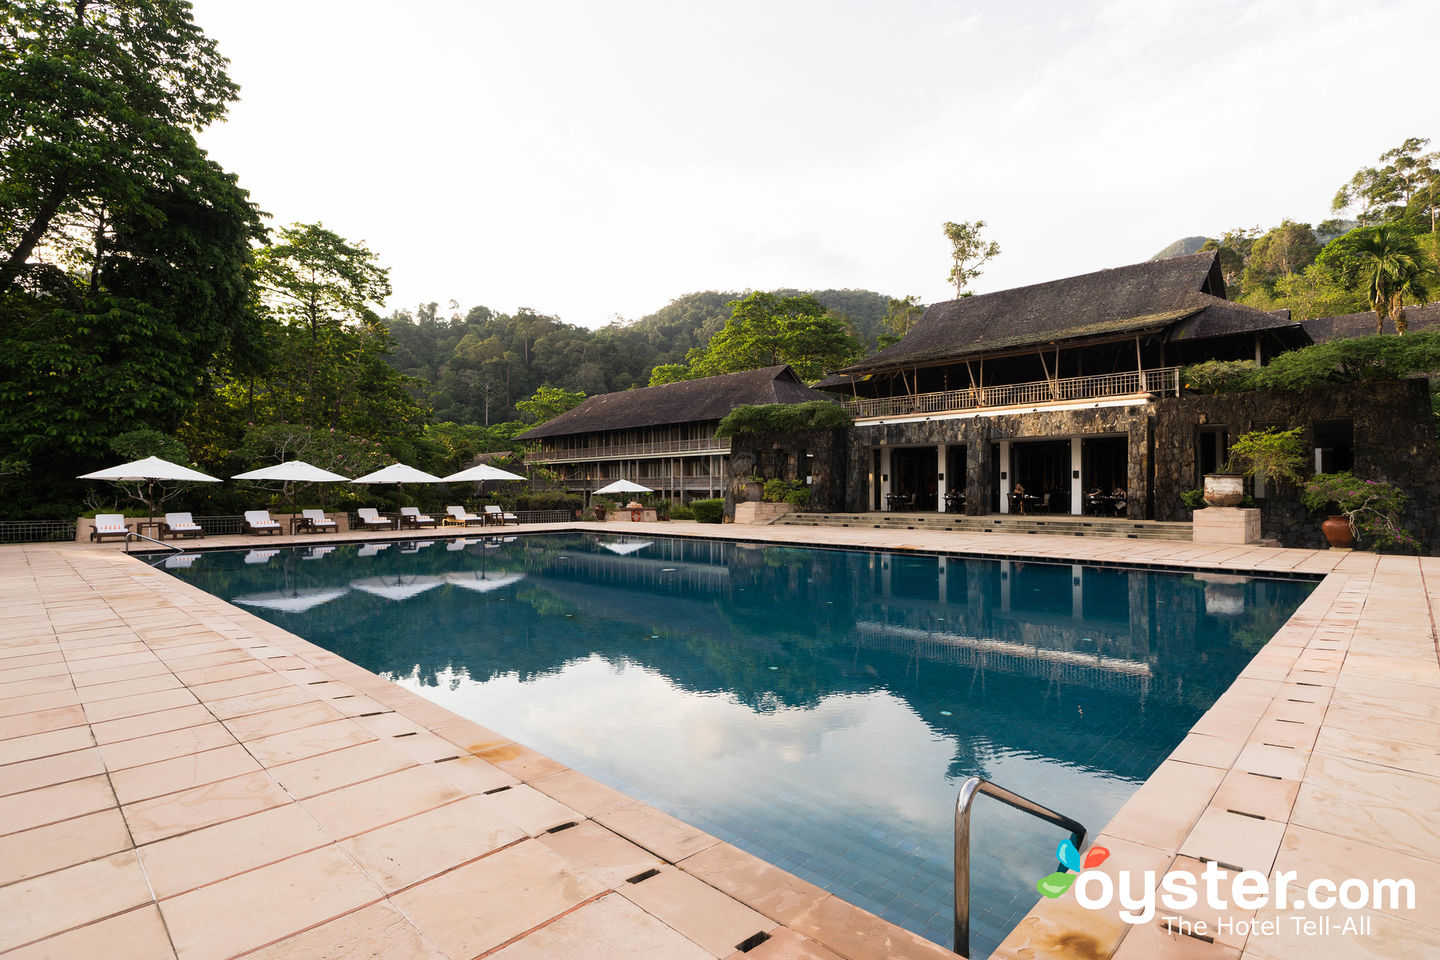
[[180, 778]]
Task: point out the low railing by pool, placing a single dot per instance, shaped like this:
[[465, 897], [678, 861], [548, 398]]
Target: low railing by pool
[[1162, 380]]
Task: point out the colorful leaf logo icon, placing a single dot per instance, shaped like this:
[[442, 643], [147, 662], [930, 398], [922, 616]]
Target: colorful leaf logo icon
[[1095, 857], [1068, 855], [1055, 884]]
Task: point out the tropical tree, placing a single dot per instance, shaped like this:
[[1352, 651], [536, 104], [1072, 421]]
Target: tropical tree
[[547, 403], [1392, 267], [969, 253], [765, 330], [900, 316]]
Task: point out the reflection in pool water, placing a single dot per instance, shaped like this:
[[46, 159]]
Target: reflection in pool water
[[815, 707]]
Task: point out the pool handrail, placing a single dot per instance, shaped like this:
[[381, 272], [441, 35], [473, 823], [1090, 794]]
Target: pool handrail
[[968, 790]]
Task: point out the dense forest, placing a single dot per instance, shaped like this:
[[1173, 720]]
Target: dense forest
[[146, 306]]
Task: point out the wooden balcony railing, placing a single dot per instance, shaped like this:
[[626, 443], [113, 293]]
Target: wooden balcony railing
[[619, 451], [1131, 383]]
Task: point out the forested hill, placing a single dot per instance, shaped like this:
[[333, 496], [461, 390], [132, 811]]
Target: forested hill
[[479, 364]]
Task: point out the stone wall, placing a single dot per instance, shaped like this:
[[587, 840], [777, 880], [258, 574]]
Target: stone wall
[[1394, 440], [787, 456], [978, 433]]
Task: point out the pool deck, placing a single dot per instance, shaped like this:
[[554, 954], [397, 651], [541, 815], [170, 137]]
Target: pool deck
[[179, 778]]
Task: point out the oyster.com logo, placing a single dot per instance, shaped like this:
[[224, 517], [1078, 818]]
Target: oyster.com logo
[[1058, 882]]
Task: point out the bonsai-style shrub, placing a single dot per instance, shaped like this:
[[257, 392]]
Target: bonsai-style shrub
[[1372, 506], [1194, 499], [1269, 454], [786, 491], [1221, 376], [799, 497], [708, 511], [682, 513]]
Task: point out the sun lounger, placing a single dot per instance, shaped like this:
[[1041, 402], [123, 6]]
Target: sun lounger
[[411, 516], [459, 516], [258, 521], [494, 515], [370, 519], [317, 521], [109, 525], [177, 524]]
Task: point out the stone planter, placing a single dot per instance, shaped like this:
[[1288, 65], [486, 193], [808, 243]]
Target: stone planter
[[762, 513], [1224, 489], [754, 492], [1338, 532]]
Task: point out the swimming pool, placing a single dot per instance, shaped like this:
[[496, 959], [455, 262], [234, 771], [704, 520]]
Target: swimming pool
[[817, 708]]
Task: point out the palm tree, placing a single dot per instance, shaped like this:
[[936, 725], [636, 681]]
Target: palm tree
[[1394, 268]]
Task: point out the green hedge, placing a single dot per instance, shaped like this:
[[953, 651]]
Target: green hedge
[[708, 511], [549, 500], [1351, 360], [783, 418]]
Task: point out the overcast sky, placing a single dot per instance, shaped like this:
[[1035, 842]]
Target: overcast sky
[[591, 160]]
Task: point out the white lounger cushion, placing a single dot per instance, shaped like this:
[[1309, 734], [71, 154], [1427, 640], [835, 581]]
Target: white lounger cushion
[[110, 523], [317, 518], [259, 519], [371, 515], [180, 521]]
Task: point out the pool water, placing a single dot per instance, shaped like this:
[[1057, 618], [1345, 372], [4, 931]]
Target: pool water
[[818, 708]]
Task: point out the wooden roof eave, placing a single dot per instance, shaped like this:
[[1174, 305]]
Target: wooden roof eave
[[1025, 351]]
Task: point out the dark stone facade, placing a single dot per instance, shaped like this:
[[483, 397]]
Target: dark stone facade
[[1393, 439]]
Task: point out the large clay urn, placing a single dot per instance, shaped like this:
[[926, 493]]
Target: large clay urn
[[1224, 489], [1338, 532]]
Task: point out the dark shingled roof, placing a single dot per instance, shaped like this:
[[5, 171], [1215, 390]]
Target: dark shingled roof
[[1345, 325], [687, 401], [1184, 296]]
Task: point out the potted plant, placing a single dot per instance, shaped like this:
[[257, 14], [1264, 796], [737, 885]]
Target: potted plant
[[1269, 454], [754, 488], [1367, 509]]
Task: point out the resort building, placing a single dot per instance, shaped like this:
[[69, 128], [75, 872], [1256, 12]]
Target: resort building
[[1043, 399], [661, 437]]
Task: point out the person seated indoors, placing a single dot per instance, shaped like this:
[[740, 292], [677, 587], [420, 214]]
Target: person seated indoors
[[1017, 496]]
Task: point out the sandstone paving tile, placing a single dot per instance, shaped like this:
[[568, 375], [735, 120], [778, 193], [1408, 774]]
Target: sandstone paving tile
[[376, 932], [759, 885], [419, 847], [851, 932], [282, 719], [1148, 941], [48, 771], [27, 687], [1268, 797], [49, 904], [694, 908], [339, 768], [473, 775], [190, 860], [1275, 760], [373, 803], [202, 806], [145, 725], [41, 721], [35, 808], [600, 853], [1166, 806], [1382, 749], [471, 737], [214, 654], [92, 678], [1364, 801], [233, 707], [238, 686], [122, 707], [786, 944], [181, 773], [602, 929], [172, 744], [137, 934], [1198, 748], [1391, 938], [1235, 840], [126, 688], [36, 671], [1314, 854], [20, 749], [519, 761], [581, 793], [484, 904], [660, 833], [225, 671], [106, 663], [38, 850], [530, 809], [262, 906], [308, 741], [79, 651]]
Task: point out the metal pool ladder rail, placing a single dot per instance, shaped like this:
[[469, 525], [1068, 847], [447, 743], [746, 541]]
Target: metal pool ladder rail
[[132, 535], [968, 790]]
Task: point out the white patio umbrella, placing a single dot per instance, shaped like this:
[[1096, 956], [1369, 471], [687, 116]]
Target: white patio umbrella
[[292, 471], [398, 474], [147, 471], [482, 472], [624, 486]]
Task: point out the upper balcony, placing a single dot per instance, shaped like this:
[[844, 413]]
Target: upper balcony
[[999, 399], [631, 451]]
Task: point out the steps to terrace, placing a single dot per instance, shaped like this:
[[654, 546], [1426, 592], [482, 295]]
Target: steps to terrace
[[997, 523]]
